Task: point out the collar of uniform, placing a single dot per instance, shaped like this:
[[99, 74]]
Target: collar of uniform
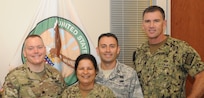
[[161, 50], [115, 72], [33, 75]]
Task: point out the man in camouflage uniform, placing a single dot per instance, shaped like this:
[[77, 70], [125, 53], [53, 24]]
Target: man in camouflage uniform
[[119, 77], [34, 79], [163, 63]]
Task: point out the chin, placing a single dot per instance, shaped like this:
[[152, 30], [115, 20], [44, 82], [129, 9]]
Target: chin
[[85, 82], [38, 63], [109, 61]]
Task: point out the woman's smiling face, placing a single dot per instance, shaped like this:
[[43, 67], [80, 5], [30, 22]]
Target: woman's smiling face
[[86, 72]]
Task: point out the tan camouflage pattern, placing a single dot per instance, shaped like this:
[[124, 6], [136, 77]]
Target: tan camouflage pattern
[[123, 81], [23, 83], [163, 74], [99, 91]]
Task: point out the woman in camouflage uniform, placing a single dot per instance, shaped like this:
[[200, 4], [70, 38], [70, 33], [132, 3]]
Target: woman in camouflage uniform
[[86, 70]]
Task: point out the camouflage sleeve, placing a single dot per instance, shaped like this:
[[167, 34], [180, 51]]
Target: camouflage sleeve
[[135, 87], [64, 94], [192, 61], [134, 57], [58, 76], [62, 82], [10, 87], [109, 94]]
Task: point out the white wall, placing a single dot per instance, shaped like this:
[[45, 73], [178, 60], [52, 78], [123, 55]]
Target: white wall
[[16, 16]]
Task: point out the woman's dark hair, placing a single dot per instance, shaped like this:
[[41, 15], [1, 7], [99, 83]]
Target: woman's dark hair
[[86, 56]]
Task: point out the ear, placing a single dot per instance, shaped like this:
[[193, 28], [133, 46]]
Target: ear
[[118, 50], [96, 72], [97, 50], [142, 25], [45, 50], [164, 24]]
